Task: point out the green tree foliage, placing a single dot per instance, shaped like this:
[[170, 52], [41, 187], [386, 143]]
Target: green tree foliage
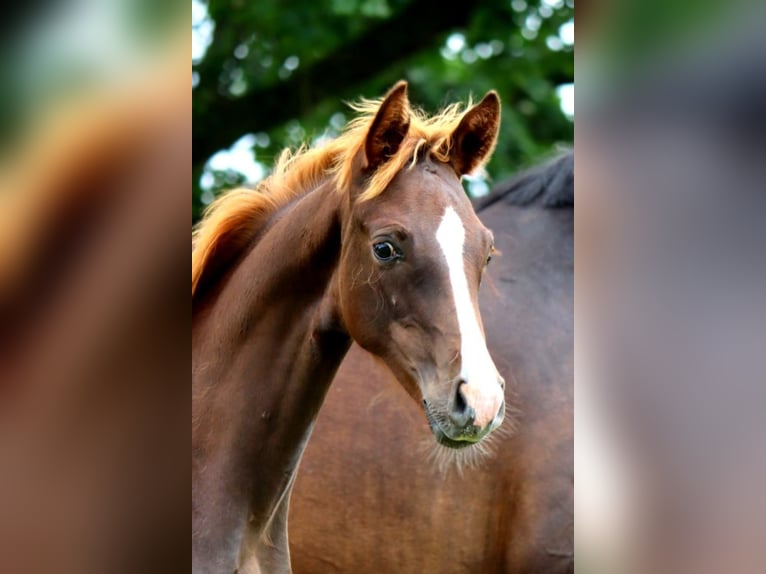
[[276, 73]]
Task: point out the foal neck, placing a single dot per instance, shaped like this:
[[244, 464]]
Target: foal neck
[[264, 353], [289, 262]]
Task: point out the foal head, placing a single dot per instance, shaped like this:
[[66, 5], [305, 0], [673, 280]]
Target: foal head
[[412, 260]]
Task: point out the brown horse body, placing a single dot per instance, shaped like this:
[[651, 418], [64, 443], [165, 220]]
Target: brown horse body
[[369, 239], [364, 499]]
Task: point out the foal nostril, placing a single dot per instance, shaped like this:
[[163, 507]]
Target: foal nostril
[[461, 414]]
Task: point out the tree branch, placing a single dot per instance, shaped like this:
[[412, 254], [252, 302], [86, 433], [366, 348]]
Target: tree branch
[[415, 28]]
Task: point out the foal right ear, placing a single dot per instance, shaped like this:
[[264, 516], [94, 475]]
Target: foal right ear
[[474, 138], [389, 127]]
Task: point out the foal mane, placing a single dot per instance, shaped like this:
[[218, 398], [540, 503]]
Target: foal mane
[[234, 218]]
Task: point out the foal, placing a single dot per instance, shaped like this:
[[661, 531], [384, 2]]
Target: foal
[[369, 238]]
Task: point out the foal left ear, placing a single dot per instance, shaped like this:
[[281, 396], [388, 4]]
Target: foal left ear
[[389, 128], [474, 138]]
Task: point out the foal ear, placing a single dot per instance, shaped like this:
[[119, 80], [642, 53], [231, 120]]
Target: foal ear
[[474, 138], [389, 127]]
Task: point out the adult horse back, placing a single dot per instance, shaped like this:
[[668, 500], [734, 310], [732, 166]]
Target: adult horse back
[[364, 494]]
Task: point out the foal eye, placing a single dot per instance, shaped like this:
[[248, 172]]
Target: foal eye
[[385, 251], [489, 258]]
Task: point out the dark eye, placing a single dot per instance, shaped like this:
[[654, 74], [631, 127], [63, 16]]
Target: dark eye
[[385, 251], [489, 258]]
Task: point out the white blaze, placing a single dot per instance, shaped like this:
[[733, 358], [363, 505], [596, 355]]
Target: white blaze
[[482, 390]]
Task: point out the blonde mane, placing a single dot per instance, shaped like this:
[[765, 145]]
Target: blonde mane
[[231, 220]]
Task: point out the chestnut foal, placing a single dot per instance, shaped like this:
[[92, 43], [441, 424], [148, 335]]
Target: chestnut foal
[[369, 238]]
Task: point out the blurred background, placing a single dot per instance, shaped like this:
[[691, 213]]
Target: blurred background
[[670, 314], [95, 147], [54, 52], [268, 75]]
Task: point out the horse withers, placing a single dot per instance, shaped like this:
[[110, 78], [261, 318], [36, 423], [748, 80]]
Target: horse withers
[[369, 238]]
